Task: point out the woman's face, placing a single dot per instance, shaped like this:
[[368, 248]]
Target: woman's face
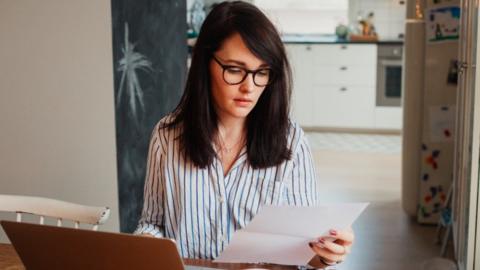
[[235, 100]]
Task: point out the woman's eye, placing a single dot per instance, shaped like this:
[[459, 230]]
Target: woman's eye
[[262, 73], [234, 70]]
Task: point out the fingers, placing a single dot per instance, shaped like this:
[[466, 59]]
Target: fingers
[[327, 254], [335, 246], [332, 246], [347, 236]]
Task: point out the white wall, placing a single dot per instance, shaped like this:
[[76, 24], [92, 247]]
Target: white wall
[[56, 102]]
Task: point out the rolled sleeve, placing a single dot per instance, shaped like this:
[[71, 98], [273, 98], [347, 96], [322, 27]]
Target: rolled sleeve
[[147, 228]]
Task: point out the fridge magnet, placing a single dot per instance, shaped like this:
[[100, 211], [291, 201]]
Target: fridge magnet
[[431, 159], [433, 191], [423, 212], [452, 77], [443, 24], [424, 147], [438, 190], [442, 123]]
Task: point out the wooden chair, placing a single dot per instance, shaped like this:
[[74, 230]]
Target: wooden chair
[[60, 210]]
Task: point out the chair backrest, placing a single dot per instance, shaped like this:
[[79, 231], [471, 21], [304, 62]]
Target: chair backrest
[[60, 210]]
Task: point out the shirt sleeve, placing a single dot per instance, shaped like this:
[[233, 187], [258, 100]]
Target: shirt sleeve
[[301, 184], [151, 221]]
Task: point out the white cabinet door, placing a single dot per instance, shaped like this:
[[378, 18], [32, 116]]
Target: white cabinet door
[[345, 54], [388, 118], [344, 107], [300, 57], [345, 75]]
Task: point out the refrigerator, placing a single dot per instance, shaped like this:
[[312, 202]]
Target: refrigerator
[[437, 169], [430, 95]]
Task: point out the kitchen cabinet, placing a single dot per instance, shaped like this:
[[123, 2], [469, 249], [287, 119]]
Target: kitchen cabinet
[[343, 106], [334, 85], [302, 71], [388, 118]]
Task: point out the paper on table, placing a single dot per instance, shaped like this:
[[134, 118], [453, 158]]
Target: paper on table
[[280, 234]]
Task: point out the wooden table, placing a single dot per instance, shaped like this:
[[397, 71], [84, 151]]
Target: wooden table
[[9, 260]]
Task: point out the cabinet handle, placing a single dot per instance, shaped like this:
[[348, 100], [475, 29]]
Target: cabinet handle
[[343, 68], [343, 47], [309, 48], [343, 89]]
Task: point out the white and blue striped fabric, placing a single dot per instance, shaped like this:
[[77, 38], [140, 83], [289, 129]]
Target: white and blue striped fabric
[[202, 208]]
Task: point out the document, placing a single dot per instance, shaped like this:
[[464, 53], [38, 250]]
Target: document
[[280, 234]]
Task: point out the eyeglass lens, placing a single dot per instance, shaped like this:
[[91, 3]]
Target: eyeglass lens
[[236, 75]]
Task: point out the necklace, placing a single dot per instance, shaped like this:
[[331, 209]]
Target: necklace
[[228, 150]]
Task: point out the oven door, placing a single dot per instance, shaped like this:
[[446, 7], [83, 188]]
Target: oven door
[[389, 82]]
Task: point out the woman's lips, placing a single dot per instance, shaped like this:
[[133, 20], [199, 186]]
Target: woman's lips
[[242, 102]]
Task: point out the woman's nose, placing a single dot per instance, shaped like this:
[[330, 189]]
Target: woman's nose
[[248, 85]]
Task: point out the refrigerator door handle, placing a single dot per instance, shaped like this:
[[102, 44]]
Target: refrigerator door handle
[[462, 66]]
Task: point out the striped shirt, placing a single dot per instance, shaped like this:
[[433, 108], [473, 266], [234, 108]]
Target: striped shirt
[[201, 208]]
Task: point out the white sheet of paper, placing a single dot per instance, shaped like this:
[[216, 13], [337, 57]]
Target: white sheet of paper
[[280, 234]]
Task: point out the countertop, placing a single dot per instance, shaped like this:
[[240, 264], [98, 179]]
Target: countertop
[[317, 39], [331, 39]]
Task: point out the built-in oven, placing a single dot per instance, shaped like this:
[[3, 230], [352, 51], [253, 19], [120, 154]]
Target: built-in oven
[[389, 75]]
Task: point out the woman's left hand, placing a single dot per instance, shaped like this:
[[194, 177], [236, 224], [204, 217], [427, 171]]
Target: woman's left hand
[[335, 247]]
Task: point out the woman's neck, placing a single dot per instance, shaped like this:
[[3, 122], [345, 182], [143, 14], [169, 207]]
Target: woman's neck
[[231, 129], [230, 140]]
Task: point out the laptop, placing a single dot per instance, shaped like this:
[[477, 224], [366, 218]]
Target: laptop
[[49, 247]]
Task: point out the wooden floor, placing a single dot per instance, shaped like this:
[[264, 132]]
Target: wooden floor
[[386, 238]]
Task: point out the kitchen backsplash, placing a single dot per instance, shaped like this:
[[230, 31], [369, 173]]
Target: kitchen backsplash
[[305, 16], [389, 15], [321, 16]]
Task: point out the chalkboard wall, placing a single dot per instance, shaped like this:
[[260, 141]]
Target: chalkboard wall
[[149, 61]]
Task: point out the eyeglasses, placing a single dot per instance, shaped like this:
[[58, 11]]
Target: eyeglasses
[[235, 75]]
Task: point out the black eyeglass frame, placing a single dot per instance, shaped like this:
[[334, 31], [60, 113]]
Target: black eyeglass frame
[[247, 71]]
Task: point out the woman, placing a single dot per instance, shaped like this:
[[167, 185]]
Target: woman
[[229, 147]]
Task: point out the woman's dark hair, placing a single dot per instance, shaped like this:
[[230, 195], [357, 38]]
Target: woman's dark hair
[[268, 122]]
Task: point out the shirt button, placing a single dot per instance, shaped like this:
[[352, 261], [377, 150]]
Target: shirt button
[[220, 199]]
